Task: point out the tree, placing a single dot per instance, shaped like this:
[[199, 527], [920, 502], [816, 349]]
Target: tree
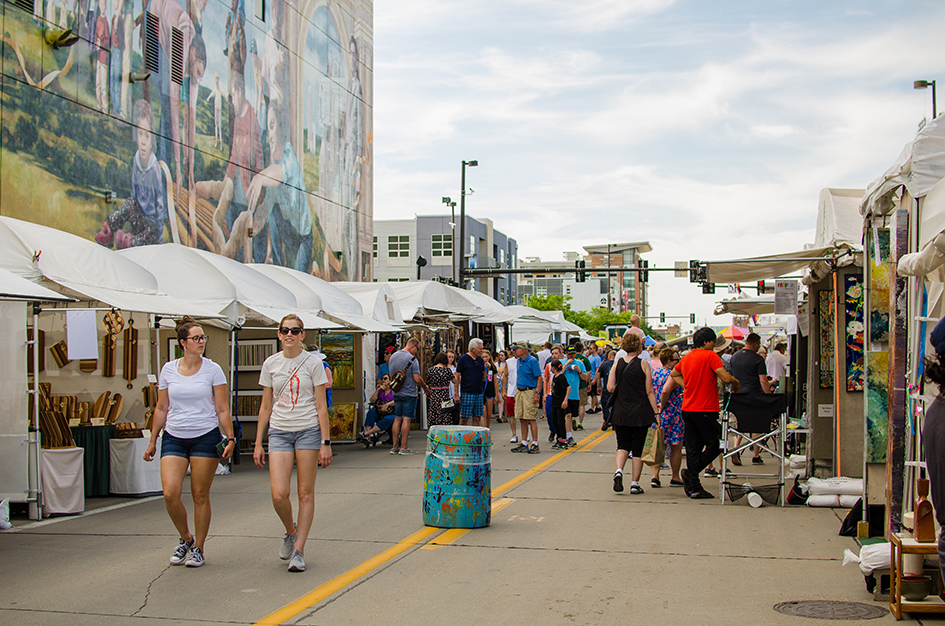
[[550, 303]]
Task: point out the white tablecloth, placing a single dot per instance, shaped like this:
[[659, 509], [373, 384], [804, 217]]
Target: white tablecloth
[[130, 474], [63, 480]]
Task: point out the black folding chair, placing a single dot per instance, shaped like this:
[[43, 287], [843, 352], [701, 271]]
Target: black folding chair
[[765, 416]]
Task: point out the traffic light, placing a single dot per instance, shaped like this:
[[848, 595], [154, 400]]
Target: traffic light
[[662, 318], [761, 287], [708, 288], [646, 274], [580, 275], [692, 318], [693, 271]]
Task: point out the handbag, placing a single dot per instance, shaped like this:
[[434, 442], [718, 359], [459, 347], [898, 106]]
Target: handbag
[[654, 448], [400, 376]]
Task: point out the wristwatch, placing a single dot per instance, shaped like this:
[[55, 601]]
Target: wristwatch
[[231, 438], [326, 442]]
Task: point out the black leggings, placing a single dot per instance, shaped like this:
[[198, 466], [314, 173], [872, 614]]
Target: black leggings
[[631, 438], [557, 418]]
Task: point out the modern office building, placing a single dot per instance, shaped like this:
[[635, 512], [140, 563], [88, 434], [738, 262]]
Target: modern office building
[[622, 289], [161, 124], [398, 244]]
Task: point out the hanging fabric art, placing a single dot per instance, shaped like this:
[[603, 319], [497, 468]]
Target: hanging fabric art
[[825, 313], [853, 298]]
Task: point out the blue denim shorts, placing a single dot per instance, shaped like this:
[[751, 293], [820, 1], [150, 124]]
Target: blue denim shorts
[[205, 445], [286, 441], [405, 407]]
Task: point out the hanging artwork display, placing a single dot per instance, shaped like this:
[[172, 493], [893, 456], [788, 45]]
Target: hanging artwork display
[[339, 352], [343, 422], [853, 300], [877, 359], [825, 313]]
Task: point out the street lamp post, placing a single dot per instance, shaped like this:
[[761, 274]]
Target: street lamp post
[[462, 222], [452, 205], [925, 84]]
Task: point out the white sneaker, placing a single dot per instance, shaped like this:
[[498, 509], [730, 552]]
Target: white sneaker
[[288, 545], [514, 439], [180, 554], [395, 450], [406, 451], [196, 558], [297, 563]]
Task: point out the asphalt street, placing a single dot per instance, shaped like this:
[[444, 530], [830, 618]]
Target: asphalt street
[[562, 548]]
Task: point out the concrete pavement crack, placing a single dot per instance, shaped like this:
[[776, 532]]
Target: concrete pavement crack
[[147, 594]]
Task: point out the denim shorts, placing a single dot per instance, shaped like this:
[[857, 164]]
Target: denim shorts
[[205, 445], [405, 407], [286, 441]]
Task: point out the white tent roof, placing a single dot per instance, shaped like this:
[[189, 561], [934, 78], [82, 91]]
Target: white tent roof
[[224, 285], [839, 222], [920, 165], [931, 254], [316, 295], [83, 269], [423, 299], [13, 287], [528, 314], [377, 300], [535, 333], [490, 311]]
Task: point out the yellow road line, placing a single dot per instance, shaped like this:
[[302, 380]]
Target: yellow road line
[[338, 583], [598, 441], [454, 534]]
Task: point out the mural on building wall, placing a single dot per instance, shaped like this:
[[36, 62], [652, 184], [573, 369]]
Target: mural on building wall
[[240, 128], [826, 313], [855, 327]]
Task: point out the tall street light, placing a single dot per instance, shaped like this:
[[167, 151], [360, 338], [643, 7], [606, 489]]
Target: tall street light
[[462, 221], [452, 205], [925, 84]]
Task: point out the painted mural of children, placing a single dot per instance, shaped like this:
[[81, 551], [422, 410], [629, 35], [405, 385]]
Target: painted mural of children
[[103, 41], [246, 159], [146, 209], [284, 212], [217, 96], [116, 56]]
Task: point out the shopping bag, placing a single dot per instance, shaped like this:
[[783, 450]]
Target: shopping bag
[[654, 448]]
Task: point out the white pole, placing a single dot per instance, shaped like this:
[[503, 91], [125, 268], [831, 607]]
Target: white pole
[[37, 490]]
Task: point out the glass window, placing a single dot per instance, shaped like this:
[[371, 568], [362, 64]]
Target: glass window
[[398, 246], [375, 246], [442, 245], [502, 255], [541, 291]]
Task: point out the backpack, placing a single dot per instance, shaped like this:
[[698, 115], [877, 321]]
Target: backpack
[[399, 377]]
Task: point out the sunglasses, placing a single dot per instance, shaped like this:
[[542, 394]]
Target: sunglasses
[[295, 331]]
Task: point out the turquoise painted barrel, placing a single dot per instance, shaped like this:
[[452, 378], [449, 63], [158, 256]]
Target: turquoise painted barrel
[[457, 477]]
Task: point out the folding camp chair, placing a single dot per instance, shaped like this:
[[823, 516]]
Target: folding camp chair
[[755, 413]]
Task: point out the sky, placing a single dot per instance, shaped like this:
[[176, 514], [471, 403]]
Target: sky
[[705, 128]]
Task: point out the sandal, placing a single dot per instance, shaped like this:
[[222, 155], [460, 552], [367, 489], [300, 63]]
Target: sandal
[[636, 489], [655, 483]]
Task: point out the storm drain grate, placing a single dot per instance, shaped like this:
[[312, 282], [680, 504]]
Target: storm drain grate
[[830, 609]]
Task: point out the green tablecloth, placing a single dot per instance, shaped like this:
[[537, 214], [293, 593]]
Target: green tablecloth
[[95, 441]]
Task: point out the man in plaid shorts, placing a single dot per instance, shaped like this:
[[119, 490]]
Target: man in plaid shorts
[[470, 382]]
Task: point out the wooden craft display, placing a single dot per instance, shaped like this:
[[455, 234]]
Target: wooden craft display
[[150, 393], [129, 430], [53, 423], [60, 354], [88, 365], [113, 323], [129, 369]]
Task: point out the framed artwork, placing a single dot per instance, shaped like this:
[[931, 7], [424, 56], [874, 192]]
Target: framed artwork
[[853, 299], [339, 352], [343, 421], [825, 314], [174, 351]]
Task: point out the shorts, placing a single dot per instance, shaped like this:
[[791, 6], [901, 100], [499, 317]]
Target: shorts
[[583, 394], [405, 406], [573, 408], [594, 390], [525, 407], [286, 441], [489, 393], [470, 405], [510, 406], [203, 446], [631, 438]]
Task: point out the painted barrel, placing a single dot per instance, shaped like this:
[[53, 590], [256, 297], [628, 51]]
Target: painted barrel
[[457, 477]]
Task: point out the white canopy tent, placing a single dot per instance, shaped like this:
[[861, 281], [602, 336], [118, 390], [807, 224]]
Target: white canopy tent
[[490, 311], [422, 300], [377, 300], [82, 269]]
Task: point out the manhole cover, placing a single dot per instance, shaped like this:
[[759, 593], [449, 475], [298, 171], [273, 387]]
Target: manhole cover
[[830, 609]]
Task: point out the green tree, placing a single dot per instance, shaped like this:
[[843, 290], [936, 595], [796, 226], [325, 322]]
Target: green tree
[[550, 303]]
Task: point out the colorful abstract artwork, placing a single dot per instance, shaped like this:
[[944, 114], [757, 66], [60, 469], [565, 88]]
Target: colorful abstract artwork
[[339, 352], [877, 405], [457, 478], [879, 286], [343, 422], [853, 300], [825, 313]]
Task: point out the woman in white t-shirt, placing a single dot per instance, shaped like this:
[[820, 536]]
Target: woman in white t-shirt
[[296, 412], [192, 409]]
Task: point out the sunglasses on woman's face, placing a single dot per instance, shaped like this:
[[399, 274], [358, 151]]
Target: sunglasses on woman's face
[[286, 330]]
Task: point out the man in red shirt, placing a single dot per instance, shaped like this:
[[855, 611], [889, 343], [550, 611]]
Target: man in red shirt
[[697, 373]]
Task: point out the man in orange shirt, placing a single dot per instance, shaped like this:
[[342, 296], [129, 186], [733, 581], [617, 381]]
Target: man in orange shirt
[[697, 373]]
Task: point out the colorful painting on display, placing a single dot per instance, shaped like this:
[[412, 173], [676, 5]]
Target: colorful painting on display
[[457, 478], [826, 315], [240, 128], [853, 298], [879, 285], [339, 352], [343, 422]]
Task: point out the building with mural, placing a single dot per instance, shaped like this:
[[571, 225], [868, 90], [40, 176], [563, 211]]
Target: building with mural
[[240, 128]]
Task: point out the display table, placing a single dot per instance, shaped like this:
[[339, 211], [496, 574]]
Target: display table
[[130, 474], [898, 546], [63, 489], [94, 439]]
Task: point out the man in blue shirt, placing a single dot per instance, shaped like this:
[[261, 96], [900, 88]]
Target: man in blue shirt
[[470, 381], [528, 394], [575, 372], [405, 400]]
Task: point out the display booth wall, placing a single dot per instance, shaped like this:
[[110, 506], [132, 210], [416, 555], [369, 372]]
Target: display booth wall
[[13, 402]]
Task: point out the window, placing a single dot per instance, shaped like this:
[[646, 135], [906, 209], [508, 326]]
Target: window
[[177, 56], [442, 245], [397, 280], [541, 291], [398, 246], [472, 245], [502, 255], [501, 294], [152, 43], [260, 10], [375, 246]]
